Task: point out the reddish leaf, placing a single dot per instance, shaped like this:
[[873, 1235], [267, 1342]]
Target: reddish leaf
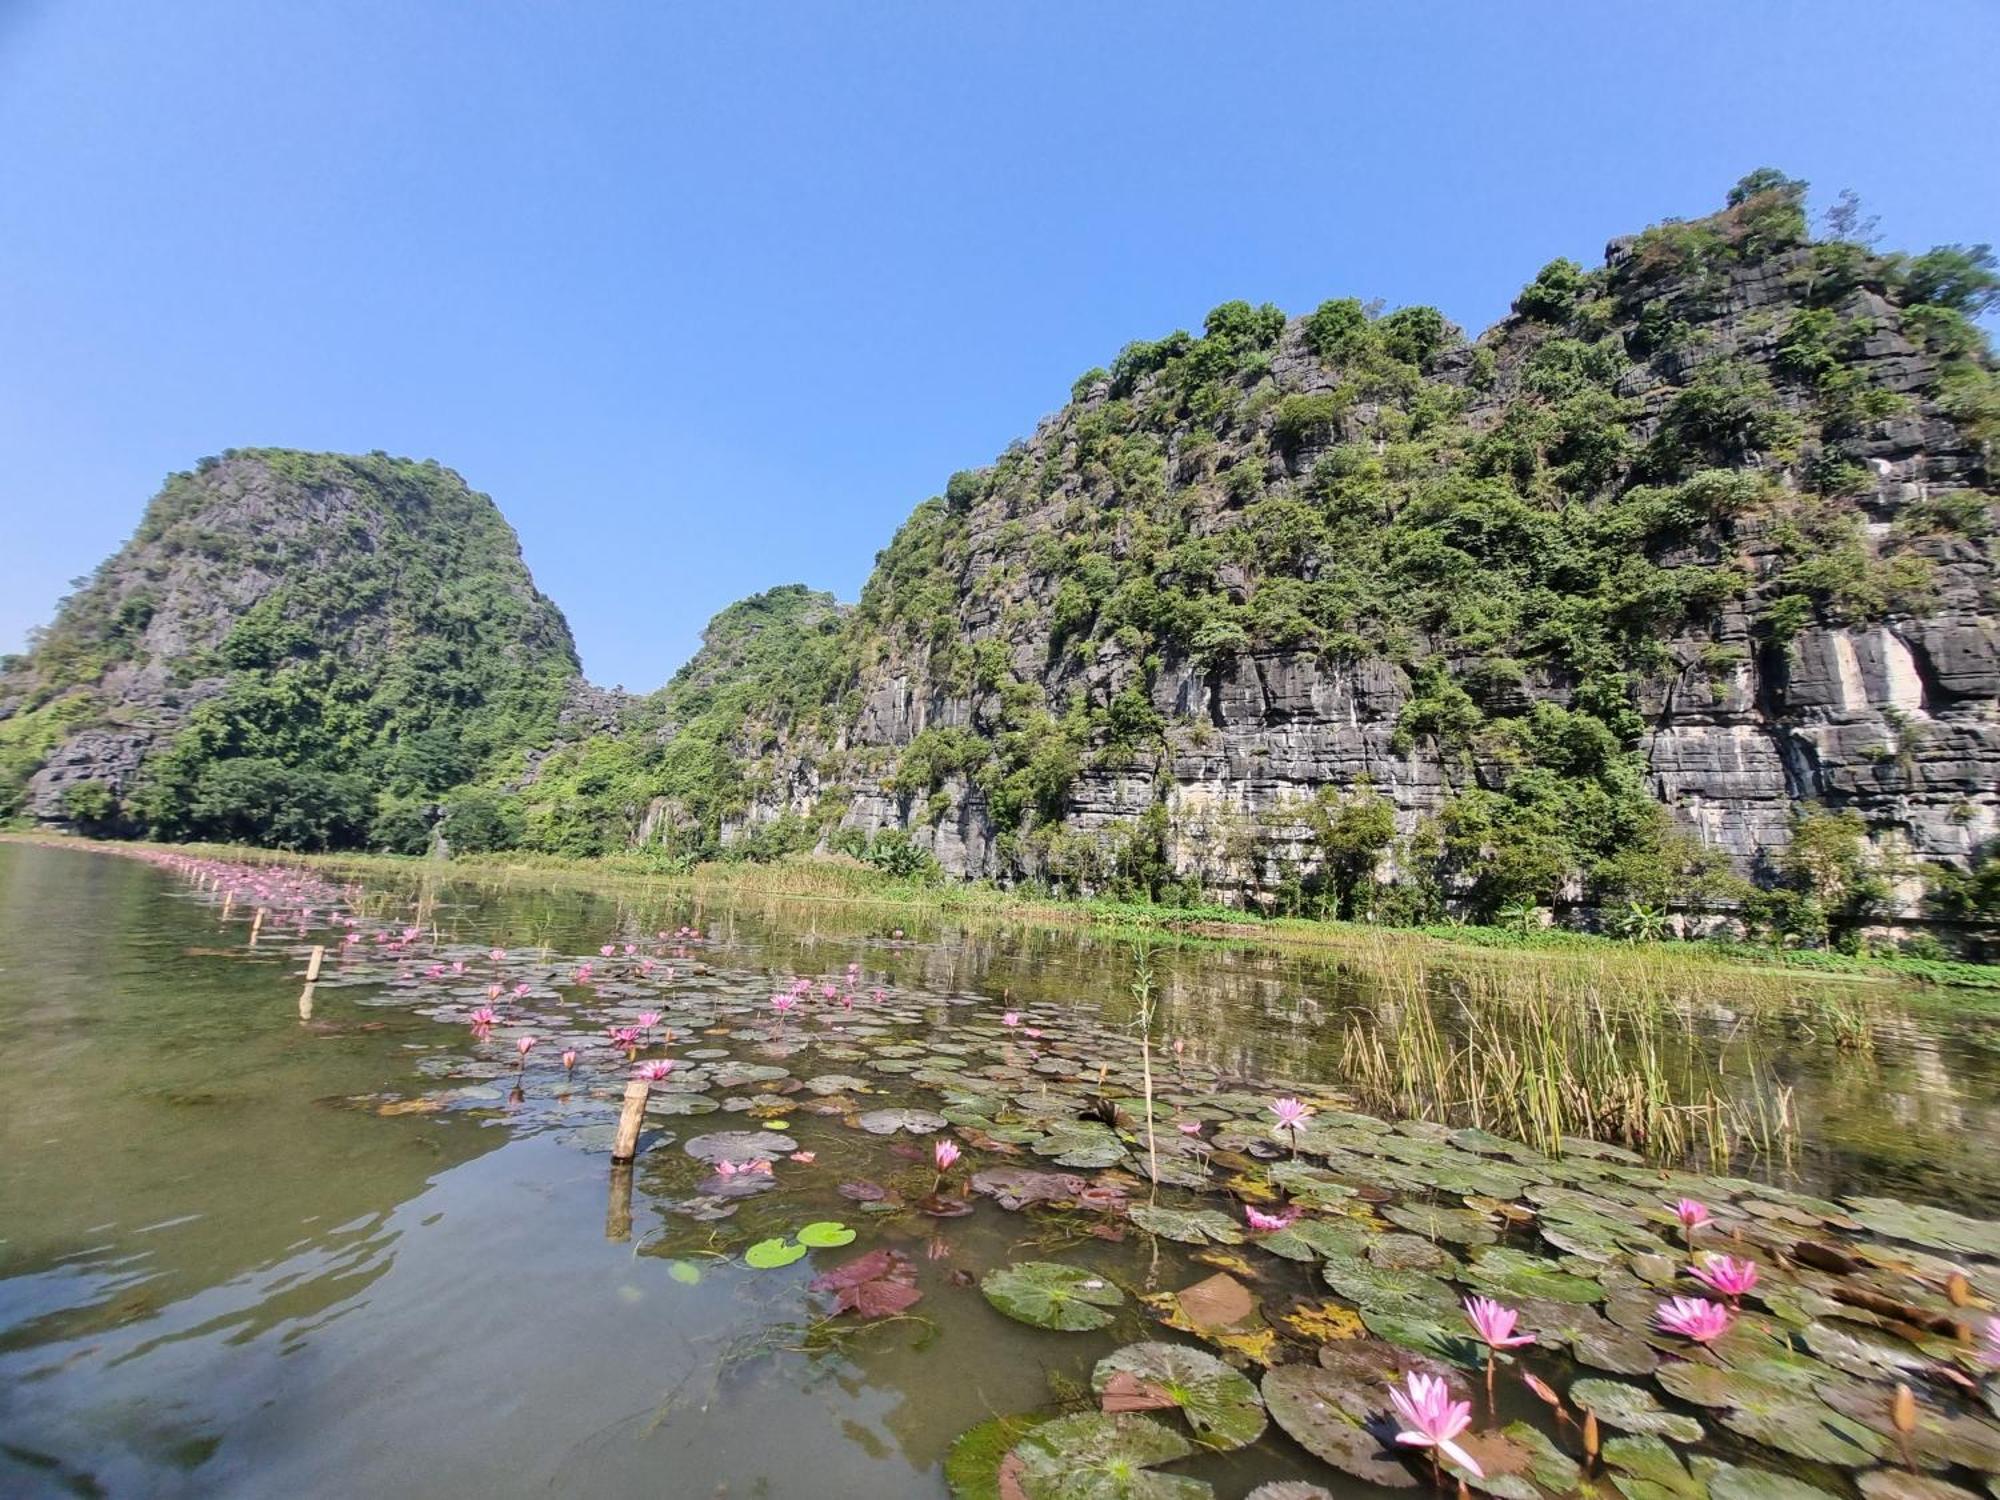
[[1125, 1392]]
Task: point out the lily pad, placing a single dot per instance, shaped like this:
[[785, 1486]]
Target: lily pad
[[1461, 1226], [1049, 1294], [1645, 1468], [910, 1121], [768, 1255], [825, 1234], [972, 1467], [1513, 1275], [1309, 1403], [1092, 1456], [1221, 1405], [1629, 1408], [1204, 1226], [1730, 1482], [738, 1146]]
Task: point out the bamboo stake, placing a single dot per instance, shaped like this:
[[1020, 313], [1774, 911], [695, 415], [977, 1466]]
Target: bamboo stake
[[306, 1003], [256, 926], [626, 1146], [313, 961]]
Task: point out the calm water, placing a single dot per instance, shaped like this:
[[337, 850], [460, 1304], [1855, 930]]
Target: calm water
[[250, 1251]]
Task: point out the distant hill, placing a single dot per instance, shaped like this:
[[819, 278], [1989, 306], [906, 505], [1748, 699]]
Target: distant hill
[[1676, 586], [294, 648]]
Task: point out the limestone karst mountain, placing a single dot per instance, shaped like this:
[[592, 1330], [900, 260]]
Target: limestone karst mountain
[[1680, 576]]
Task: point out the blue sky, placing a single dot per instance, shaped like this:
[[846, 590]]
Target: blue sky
[[708, 296]]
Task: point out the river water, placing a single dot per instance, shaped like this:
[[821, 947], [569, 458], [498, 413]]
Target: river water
[[259, 1242]]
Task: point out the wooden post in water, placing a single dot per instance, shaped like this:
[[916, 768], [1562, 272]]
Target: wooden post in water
[[228, 900], [630, 1118], [313, 960], [256, 926], [618, 1208], [306, 1003]]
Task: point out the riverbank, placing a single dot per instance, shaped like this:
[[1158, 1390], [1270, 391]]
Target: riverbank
[[860, 886]]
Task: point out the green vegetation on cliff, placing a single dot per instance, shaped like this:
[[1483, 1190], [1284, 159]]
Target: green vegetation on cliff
[[291, 647]]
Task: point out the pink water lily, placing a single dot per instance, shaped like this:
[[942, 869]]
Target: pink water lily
[[1189, 1127], [1494, 1323], [1721, 1273], [805, 1158], [648, 1019], [1268, 1223], [498, 955], [484, 1016], [1291, 1113], [1694, 1318], [945, 1153], [784, 1004], [654, 1069], [568, 1058], [1431, 1419], [1010, 1018], [607, 950], [1692, 1213], [524, 1045]]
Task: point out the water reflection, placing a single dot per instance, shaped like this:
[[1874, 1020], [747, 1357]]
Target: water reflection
[[226, 1274]]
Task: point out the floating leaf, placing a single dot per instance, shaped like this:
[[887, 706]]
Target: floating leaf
[[1049, 1294], [768, 1255], [1092, 1456], [912, 1121], [686, 1272], [1937, 1228], [1631, 1409], [1323, 1322], [825, 1234], [1288, 1489], [1645, 1468], [1308, 1403], [972, 1467], [738, 1146], [1203, 1226], [1513, 1275], [1461, 1226], [876, 1285], [1017, 1187], [1221, 1406], [1732, 1483]]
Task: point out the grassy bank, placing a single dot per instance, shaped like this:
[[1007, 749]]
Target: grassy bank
[[861, 886]]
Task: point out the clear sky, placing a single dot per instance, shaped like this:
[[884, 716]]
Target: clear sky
[[708, 296]]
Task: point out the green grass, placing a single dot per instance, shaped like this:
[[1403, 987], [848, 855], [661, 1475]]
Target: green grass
[[851, 883]]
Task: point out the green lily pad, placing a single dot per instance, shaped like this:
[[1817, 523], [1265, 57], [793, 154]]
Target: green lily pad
[[1937, 1228], [1203, 1226], [1314, 1239], [1550, 1467], [1645, 1468], [1220, 1404], [1369, 1286], [1410, 1252], [1514, 1275], [1629, 1408], [1049, 1294], [972, 1467], [910, 1121], [686, 1272], [825, 1234], [1773, 1403], [1312, 1404], [768, 1255], [1092, 1456], [1729, 1482], [1461, 1226], [738, 1146], [1288, 1489]]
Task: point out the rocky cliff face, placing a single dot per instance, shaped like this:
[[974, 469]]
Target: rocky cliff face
[[366, 615], [1727, 498]]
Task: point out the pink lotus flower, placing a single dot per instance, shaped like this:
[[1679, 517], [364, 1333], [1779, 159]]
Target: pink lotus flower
[[1694, 1318], [1190, 1127], [648, 1019], [1720, 1273], [607, 950], [524, 1045], [583, 972], [1494, 1323], [630, 949], [944, 1153], [1692, 1213], [749, 1168], [498, 955], [568, 1058], [654, 1069], [1433, 1420], [483, 1016], [1266, 1223], [805, 1158], [458, 966], [521, 990], [828, 991], [1291, 1113], [1011, 1018], [878, 995], [784, 1004], [492, 992]]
